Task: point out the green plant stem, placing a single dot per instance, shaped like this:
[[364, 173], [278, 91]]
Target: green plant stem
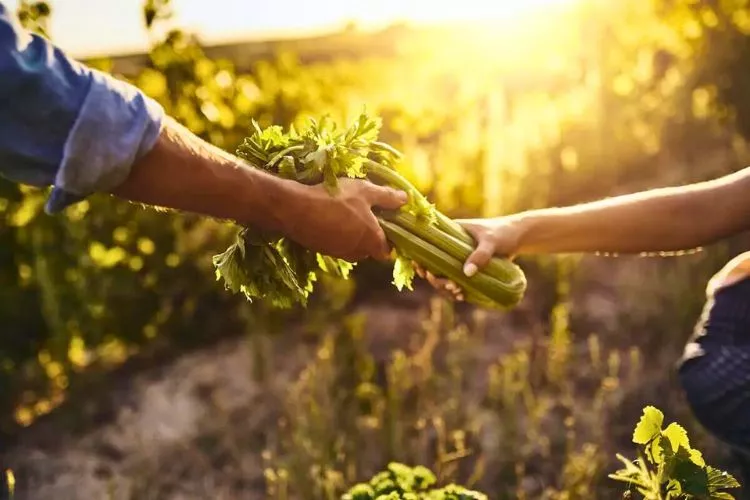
[[437, 261]]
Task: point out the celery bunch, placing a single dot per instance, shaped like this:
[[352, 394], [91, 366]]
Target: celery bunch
[[274, 269]]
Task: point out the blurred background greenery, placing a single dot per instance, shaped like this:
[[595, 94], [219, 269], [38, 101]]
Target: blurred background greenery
[[581, 100]]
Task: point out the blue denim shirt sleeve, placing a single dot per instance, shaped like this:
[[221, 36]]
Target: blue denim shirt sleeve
[[65, 125]]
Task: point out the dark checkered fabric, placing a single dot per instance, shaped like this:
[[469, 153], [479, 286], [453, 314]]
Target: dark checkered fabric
[[717, 381]]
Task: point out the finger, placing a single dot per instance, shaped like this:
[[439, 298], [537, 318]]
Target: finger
[[385, 197], [418, 269], [439, 283], [479, 232], [479, 258], [380, 249], [454, 290], [434, 280]]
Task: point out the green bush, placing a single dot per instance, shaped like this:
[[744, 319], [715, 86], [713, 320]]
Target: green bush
[[668, 467], [400, 482]]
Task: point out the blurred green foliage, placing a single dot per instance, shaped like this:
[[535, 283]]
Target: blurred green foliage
[[668, 467], [626, 96]]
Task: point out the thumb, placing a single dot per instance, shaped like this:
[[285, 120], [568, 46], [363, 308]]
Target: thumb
[[479, 258], [470, 226], [386, 197]]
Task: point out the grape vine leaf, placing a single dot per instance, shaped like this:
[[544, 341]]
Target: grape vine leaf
[[649, 426], [678, 438], [692, 477], [720, 480]]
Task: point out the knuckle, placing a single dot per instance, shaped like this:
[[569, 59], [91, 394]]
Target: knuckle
[[373, 248], [480, 255], [383, 241]]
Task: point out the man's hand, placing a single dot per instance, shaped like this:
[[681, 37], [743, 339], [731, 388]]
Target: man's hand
[[341, 225]]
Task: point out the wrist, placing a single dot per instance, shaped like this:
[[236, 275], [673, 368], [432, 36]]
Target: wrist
[[524, 226], [270, 203]]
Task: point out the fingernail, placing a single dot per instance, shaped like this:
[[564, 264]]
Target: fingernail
[[470, 269], [402, 196]]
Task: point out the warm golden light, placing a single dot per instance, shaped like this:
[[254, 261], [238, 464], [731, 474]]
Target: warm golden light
[[472, 10], [115, 25]]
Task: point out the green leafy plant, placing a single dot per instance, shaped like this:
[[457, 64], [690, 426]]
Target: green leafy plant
[[668, 467], [274, 269], [400, 481]]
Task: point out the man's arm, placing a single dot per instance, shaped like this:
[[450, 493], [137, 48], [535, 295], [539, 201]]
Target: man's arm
[[82, 131], [63, 124], [660, 220], [184, 172]]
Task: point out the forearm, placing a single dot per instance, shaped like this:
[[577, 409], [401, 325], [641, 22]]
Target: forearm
[[185, 173], [668, 219]]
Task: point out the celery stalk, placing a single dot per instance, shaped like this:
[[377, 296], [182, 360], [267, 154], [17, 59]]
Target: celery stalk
[[449, 237], [480, 287], [508, 274], [380, 174]]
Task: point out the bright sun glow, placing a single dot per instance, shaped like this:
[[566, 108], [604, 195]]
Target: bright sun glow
[[115, 25], [472, 10]]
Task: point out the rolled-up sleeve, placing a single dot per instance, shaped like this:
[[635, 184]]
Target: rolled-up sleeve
[[65, 125]]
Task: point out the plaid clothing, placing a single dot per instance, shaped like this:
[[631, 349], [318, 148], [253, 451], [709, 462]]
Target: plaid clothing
[[715, 372]]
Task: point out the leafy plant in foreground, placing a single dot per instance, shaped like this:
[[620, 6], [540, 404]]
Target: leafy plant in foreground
[[668, 468], [274, 269], [400, 481]]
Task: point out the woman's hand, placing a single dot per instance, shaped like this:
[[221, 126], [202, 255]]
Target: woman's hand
[[442, 285], [500, 236], [494, 237]]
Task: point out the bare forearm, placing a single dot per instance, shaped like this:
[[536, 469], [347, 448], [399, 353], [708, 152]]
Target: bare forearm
[[185, 173], [668, 219]]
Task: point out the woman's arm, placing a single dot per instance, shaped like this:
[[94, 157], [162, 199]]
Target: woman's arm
[[667, 219], [659, 220]]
